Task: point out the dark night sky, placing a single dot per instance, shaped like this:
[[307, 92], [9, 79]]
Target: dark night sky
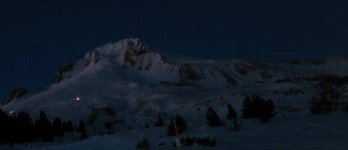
[[38, 36]]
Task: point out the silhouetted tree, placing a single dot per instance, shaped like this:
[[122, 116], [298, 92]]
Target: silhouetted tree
[[19, 128], [24, 128], [82, 130], [57, 127], [68, 126], [180, 125], [44, 128], [213, 119], [93, 119], [5, 127], [232, 114]]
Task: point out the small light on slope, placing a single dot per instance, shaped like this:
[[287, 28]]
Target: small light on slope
[[78, 98], [12, 111]]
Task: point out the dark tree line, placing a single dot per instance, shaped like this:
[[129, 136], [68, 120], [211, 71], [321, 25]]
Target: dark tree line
[[21, 128]]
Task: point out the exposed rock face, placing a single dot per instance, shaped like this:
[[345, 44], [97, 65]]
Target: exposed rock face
[[187, 72], [14, 94], [133, 48], [125, 52], [60, 73], [130, 57]]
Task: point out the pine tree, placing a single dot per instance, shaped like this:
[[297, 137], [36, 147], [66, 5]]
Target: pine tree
[[232, 114], [68, 126], [44, 128], [213, 119], [93, 119], [24, 128], [5, 128], [82, 130], [180, 125], [58, 127]]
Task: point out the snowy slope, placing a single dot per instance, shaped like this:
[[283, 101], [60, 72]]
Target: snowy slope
[[131, 83], [132, 78]]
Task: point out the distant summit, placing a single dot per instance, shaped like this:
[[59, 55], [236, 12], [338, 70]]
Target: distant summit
[[124, 52]]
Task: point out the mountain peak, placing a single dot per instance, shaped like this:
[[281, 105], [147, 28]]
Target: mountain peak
[[133, 45], [124, 51]]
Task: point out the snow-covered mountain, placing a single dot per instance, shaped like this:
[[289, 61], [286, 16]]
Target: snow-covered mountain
[[130, 83], [131, 78]]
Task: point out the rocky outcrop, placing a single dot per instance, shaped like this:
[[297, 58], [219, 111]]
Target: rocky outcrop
[[14, 94], [187, 72]]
